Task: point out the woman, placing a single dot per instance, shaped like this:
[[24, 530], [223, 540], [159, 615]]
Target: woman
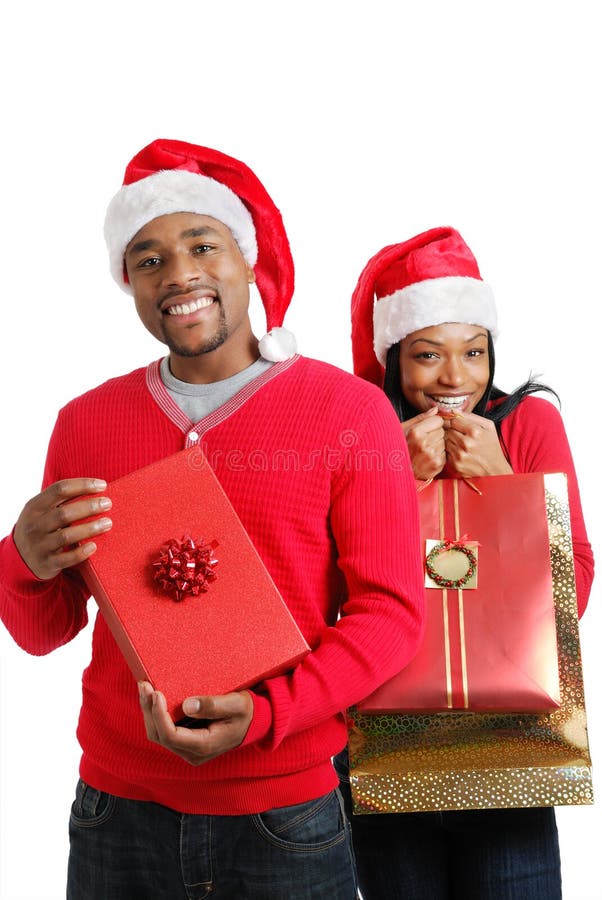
[[423, 325]]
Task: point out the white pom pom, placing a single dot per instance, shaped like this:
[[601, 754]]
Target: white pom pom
[[278, 344]]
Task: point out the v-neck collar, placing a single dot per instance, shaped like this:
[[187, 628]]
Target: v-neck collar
[[195, 430]]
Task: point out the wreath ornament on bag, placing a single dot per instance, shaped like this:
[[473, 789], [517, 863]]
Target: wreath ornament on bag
[[441, 580]]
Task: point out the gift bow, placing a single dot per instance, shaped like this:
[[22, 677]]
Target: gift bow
[[185, 568], [465, 539]]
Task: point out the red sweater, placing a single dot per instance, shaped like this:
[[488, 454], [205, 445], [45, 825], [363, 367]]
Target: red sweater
[[536, 441], [315, 463]]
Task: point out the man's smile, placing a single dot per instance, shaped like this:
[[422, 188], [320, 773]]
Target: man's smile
[[183, 309]]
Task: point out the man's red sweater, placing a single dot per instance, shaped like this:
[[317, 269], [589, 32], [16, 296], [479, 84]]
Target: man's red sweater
[[316, 466]]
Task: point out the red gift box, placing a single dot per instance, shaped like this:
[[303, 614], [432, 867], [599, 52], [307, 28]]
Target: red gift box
[[201, 618], [490, 637]]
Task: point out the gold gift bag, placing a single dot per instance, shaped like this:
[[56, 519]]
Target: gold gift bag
[[465, 760]]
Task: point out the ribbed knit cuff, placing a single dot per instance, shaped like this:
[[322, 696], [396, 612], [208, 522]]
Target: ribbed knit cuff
[[261, 721], [23, 581]]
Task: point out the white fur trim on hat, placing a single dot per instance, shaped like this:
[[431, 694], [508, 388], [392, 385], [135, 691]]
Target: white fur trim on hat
[[172, 191], [278, 344], [456, 298]]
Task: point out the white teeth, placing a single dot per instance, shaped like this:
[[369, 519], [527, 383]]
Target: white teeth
[[182, 309], [451, 401]]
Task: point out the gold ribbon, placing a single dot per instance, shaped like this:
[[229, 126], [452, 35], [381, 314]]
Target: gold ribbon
[[445, 602]]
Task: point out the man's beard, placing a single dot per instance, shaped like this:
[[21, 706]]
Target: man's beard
[[211, 344]]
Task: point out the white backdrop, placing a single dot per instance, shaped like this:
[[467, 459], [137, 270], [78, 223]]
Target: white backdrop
[[368, 122]]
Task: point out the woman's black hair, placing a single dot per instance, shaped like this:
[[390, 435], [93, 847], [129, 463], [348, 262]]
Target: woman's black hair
[[499, 402]]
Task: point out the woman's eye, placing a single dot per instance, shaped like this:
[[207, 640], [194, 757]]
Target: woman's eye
[[426, 354]]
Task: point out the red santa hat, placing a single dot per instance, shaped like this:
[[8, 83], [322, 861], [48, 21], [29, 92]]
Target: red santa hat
[[174, 176], [428, 280]]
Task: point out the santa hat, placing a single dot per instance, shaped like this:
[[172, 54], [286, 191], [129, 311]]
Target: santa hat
[[430, 279], [173, 176]]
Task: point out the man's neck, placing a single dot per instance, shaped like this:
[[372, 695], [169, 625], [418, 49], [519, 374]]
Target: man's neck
[[215, 365]]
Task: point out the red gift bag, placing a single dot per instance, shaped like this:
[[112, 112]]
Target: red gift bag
[[421, 761], [490, 638]]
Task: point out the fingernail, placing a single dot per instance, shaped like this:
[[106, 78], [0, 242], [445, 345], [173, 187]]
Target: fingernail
[[102, 524], [89, 548], [104, 503], [191, 706], [98, 484]]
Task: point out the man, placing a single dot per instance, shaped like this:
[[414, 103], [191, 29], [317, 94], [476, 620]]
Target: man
[[245, 805]]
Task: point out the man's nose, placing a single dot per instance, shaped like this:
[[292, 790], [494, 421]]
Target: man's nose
[[181, 270]]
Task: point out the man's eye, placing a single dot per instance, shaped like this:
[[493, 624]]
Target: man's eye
[[149, 262], [202, 248]]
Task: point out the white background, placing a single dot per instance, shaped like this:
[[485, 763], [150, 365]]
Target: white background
[[368, 122]]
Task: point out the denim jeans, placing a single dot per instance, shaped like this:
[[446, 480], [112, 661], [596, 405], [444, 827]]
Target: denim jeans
[[492, 854], [135, 850]]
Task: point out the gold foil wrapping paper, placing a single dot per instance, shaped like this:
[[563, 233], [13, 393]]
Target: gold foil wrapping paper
[[464, 760]]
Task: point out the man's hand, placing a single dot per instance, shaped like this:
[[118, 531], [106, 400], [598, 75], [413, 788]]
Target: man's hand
[[473, 447], [227, 719], [426, 443], [45, 533]]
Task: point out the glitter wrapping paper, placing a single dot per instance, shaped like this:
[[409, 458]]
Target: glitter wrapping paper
[[231, 636], [469, 760], [489, 646]]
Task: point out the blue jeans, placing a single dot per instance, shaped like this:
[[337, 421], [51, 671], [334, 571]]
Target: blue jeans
[[492, 854], [134, 850]]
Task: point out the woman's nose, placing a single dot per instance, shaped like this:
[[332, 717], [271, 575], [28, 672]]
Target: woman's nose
[[452, 373]]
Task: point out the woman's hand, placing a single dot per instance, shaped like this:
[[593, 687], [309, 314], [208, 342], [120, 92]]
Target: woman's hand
[[425, 436], [473, 448]]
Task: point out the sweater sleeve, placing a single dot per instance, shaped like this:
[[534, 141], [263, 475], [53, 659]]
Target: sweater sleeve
[[41, 615], [537, 442], [374, 521]]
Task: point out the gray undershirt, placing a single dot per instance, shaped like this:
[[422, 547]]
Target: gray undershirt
[[198, 400]]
